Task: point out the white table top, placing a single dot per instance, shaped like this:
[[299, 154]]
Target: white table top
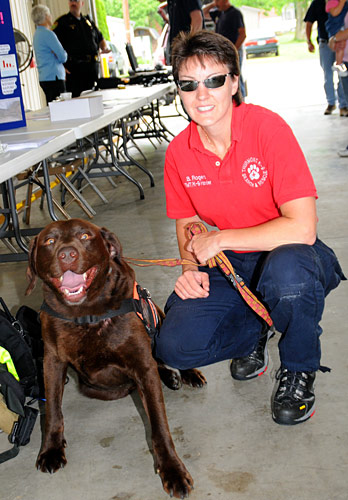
[[14, 162], [118, 103], [132, 92]]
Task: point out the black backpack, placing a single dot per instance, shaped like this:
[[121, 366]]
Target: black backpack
[[21, 343]]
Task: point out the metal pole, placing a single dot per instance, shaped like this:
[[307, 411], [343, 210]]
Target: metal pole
[[126, 20]]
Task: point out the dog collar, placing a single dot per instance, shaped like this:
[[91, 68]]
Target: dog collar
[[92, 319], [140, 303]]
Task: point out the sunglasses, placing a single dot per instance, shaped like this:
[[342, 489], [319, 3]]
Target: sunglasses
[[214, 82]]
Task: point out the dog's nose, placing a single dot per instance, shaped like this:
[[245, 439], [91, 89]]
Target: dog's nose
[[68, 254]]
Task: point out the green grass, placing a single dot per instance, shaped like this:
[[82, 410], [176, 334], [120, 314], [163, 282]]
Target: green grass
[[293, 49]]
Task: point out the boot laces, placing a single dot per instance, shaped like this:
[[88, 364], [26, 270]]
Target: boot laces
[[292, 384]]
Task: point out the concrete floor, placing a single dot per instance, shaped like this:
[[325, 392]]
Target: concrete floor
[[224, 432]]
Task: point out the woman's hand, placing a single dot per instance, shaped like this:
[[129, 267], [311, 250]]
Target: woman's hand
[[192, 285], [204, 246]]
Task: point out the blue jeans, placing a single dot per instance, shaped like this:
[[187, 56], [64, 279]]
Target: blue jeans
[[344, 82], [292, 281], [327, 58], [241, 79]]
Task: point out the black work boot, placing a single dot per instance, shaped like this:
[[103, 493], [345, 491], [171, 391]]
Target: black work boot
[[294, 400], [256, 362]]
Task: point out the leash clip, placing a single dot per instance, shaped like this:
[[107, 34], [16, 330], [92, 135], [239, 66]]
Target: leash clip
[[235, 280], [146, 294]]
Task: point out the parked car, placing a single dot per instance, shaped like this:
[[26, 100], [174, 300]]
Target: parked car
[[261, 43], [116, 61]]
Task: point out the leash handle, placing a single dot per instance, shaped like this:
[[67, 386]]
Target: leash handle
[[158, 262], [225, 265]]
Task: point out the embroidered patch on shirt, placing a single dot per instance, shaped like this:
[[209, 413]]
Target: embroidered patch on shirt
[[253, 172], [196, 181]]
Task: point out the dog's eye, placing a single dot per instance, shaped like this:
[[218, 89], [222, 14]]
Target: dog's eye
[[85, 236], [49, 241]]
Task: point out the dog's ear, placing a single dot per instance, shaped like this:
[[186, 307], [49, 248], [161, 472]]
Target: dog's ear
[[31, 269], [113, 243]]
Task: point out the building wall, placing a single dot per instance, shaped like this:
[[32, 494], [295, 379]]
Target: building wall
[[33, 96]]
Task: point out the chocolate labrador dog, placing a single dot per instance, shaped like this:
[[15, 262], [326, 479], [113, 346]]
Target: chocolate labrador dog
[[89, 322]]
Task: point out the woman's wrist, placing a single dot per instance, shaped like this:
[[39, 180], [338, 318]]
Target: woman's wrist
[[220, 241], [186, 268]]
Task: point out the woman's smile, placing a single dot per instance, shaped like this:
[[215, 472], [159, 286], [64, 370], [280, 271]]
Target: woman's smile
[[208, 106]]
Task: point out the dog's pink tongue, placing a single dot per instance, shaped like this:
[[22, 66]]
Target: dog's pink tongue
[[72, 280]]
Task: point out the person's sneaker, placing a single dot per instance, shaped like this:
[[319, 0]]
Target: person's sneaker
[[343, 152], [343, 111], [255, 364], [294, 400], [330, 108], [340, 68]]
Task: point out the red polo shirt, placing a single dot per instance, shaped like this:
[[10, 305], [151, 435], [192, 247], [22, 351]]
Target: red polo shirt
[[263, 168]]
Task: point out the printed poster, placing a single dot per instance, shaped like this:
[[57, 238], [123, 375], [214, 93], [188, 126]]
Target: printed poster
[[11, 100]]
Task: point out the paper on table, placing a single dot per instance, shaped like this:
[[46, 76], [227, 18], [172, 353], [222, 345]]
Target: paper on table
[[42, 114], [29, 144]]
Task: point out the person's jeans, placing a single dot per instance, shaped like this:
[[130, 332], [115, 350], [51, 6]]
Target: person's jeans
[[327, 58], [344, 82], [241, 79], [292, 281], [52, 89]]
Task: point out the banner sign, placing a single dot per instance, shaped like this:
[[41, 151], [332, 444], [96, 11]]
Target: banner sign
[[11, 100]]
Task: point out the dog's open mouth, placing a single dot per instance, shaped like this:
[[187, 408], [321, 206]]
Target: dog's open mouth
[[74, 286]]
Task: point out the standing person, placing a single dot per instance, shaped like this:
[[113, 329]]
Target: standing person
[[316, 13], [337, 10], [229, 22], [82, 40], [339, 42], [183, 15], [49, 54], [239, 167]]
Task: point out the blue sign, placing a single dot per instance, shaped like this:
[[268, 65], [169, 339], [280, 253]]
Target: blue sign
[[11, 101]]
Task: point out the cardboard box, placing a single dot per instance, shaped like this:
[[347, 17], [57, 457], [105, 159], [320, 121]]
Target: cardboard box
[[76, 108]]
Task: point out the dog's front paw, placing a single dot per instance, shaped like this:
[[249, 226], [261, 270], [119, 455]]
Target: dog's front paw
[[193, 377], [51, 460], [176, 480], [171, 377]]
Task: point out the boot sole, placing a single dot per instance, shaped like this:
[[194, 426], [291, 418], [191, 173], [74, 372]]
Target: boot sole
[[261, 370], [287, 421]]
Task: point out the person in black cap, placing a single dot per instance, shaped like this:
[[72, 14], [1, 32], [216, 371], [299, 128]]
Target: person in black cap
[[82, 40]]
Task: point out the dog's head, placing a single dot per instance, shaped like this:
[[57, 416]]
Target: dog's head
[[73, 258]]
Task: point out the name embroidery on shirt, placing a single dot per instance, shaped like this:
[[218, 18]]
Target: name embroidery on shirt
[[253, 172], [196, 181]]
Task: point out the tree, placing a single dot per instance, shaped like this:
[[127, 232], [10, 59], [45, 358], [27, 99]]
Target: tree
[[142, 12], [300, 11], [101, 15]]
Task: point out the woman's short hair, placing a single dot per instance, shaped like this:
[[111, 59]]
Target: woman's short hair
[[39, 13], [205, 44]]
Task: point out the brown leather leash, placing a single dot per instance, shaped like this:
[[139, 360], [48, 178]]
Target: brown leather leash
[[219, 260]]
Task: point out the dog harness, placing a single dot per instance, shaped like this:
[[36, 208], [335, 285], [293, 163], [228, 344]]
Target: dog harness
[[140, 303]]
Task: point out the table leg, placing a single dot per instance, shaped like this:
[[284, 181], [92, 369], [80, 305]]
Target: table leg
[[48, 192], [14, 215]]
